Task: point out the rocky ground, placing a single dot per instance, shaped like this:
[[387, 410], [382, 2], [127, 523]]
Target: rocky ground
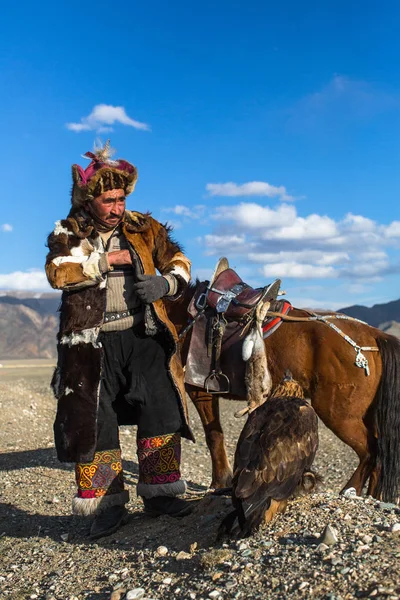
[[44, 552]]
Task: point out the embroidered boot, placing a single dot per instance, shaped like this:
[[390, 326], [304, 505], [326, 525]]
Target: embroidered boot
[[159, 476], [100, 484], [167, 505], [108, 521]]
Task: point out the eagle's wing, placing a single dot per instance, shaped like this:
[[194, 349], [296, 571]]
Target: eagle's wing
[[277, 444]]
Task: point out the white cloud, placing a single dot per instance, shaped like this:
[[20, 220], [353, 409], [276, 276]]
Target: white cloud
[[184, 211], [6, 227], [25, 280], [358, 224], [283, 244], [102, 117], [224, 244], [300, 271], [313, 227], [251, 188], [392, 230], [249, 215], [302, 256]]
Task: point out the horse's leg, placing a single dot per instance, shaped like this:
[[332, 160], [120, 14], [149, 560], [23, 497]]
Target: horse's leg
[[207, 406], [361, 474], [373, 483], [347, 423]]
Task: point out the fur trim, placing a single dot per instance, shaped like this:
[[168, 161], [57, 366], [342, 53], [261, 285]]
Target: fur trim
[[182, 272], [86, 336], [90, 267], [106, 178], [147, 490], [91, 506], [58, 229]]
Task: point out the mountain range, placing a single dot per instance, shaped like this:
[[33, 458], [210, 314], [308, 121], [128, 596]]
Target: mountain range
[[29, 322]]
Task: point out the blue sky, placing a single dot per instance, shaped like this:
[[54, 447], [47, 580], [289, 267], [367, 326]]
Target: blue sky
[[266, 133]]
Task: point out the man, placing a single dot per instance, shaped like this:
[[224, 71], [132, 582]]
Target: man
[[118, 360]]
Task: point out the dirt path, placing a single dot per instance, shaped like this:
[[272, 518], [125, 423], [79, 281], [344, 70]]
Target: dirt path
[[44, 552]]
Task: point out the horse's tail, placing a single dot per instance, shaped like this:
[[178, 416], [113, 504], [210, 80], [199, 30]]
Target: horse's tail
[[387, 418]]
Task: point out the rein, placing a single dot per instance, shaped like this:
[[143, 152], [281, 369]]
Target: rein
[[361, 360]]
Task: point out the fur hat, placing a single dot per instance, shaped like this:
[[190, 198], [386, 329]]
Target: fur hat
[[102, 175]]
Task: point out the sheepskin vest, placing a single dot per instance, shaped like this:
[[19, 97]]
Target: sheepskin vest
[[71, 266]]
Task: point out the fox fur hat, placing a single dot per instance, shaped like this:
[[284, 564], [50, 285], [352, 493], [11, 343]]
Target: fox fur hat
[[102, 175]]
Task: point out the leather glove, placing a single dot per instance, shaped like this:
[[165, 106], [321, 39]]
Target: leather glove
[[150, 288]]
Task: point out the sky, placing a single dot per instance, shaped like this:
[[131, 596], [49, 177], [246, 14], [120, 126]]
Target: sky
[[265, 132]]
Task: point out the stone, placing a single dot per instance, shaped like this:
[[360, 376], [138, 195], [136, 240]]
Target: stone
[[350, 493], [135, 594], [167, 580], [303, 585], [214, 594], [183, 555], [65, 537], [162, 551], [395, 528], [367, 539], [363, 548], [329, 536]]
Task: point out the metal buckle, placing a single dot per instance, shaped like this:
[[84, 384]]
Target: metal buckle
[[201, 301], [223, 303]]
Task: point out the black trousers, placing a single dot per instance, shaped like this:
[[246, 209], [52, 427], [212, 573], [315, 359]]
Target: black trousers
[[135, 388]]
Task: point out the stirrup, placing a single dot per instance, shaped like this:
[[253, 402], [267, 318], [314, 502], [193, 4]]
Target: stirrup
[[214, 376]]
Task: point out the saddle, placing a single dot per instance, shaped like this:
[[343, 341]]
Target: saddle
[[221, 311]]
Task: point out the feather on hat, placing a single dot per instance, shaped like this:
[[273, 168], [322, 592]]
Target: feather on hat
[[103, 174]]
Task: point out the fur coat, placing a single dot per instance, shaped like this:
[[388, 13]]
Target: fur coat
[[72, 266]]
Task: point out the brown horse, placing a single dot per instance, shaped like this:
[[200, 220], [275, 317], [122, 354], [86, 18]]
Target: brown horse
[[363, 411]]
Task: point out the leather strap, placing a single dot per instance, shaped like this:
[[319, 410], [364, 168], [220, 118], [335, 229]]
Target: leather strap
[[116, 316]]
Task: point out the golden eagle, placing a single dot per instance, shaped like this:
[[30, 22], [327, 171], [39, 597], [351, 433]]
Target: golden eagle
[[273, 457]]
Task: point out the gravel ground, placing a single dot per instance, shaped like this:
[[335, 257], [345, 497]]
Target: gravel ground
[[44, 552]]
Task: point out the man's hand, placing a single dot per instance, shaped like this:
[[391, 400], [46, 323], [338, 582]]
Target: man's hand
[[119, 257], [150, 288]]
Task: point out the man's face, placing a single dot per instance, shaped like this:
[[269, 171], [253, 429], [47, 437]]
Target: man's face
[[109, 207]]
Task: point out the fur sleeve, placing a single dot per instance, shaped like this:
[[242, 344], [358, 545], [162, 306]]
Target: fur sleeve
[[169, 257], [71, 263]]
